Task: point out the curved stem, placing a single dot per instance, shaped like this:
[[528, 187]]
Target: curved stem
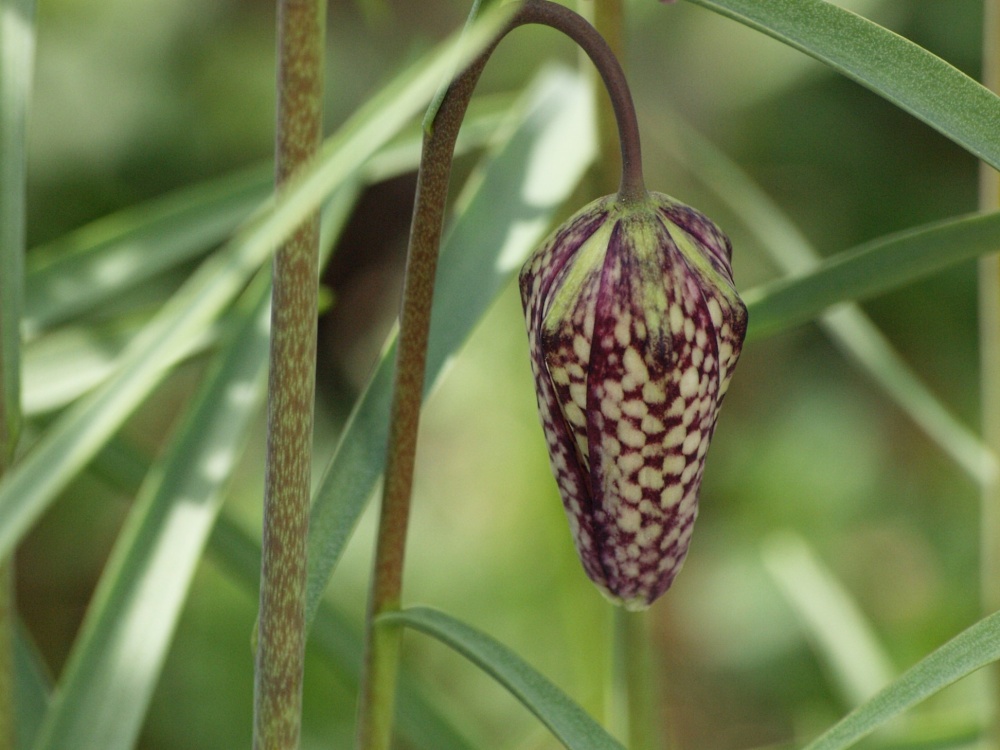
[[377, 699], [632, 186]]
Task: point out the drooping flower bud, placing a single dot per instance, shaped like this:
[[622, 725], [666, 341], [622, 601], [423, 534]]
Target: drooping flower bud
[[634, 327]]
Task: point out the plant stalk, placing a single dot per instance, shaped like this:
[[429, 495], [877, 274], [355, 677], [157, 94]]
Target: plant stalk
[[609, 20], [635, 717], [17, 43], [280, 655], [378, 687]]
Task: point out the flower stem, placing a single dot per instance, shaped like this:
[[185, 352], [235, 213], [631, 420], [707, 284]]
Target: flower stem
[[291, 386], [989, 339], [609, 20], [634, 682], [377, 699], [17, 43]]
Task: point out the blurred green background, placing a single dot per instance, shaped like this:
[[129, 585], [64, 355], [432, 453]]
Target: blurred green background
[[137, 97]]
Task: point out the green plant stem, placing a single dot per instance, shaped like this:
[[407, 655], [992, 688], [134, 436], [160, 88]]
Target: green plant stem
[[16, 58], [635, 716], [291, 385], [378, 687]]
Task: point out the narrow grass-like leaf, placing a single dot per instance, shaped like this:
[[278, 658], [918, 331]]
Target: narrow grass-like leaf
[[523, 187], [904, 73], [340, 641], [62, 364], [573, 726], [848, 326], [100, 260], [102, 697], [17, 42], [73, 439], [70, 361], [842, 636], [870, 269], [33, 688], [109, 678], [970, 650]]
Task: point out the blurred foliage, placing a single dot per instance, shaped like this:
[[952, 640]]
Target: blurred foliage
[[135, 97]]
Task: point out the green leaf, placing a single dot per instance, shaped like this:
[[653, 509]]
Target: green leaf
[[868, 270], [848, 326], [573, 726], [838, 630], [340, 641], [74, 438], [102, 696], [34, 686], [514, 203], [17, 43], [94, 265], [895, 68], [100, 260], [972, 649]]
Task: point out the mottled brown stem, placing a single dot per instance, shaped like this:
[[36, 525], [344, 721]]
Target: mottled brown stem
[[378, 688], [989, 340], [281, 624]]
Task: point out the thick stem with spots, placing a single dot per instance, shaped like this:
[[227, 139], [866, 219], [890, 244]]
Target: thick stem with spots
[[382, 648], [281, 634]]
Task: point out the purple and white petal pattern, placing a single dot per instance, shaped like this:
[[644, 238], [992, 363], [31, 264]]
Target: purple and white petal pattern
[[634, 328]]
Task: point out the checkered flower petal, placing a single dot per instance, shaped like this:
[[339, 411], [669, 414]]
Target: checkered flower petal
[[634, 328]]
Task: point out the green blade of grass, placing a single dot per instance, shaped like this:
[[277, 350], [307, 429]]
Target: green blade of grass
[[17, 42], [849, 328], [840, 633], [101, 698], [73, 439], [98, 261], [870, 269], [973, 649], [340, 641], [573, 726], [109, 678], [34, 686], [65, 362], [514, 203], [902, 72]]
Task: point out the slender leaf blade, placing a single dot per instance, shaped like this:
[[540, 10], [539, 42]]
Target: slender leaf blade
[[34, 687], [102, 698], [341, 642], [972, 649], [870, 269], [841, 634], [100, 260], [513, 205], [17, 43], [103, 694], [74, 439], [573, 726], [902, 72]]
